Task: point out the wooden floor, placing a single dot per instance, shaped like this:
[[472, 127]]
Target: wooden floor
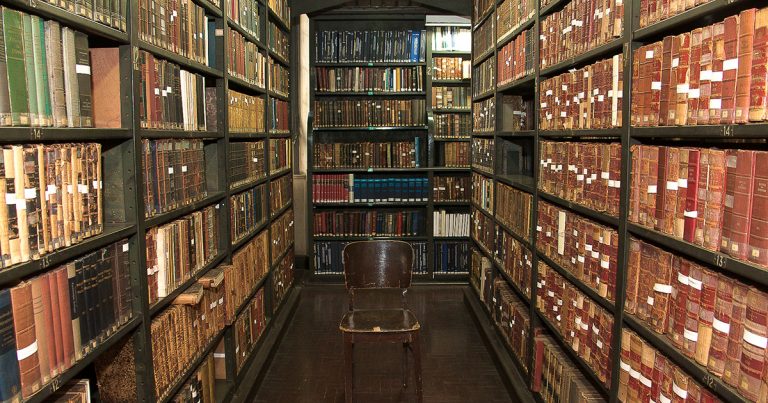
[[308, 366]]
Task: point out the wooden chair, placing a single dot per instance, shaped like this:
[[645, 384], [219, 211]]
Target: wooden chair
[[379, 265]]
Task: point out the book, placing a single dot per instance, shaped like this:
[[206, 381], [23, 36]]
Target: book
[[556, 378], [279, 120], [280, 193], [246, 113], [368, 46], [513, 209], [249, 326], [483, 230], [451, 68], [449, 224], [279, 79], [105, 69], [511, 15], [482, 38], [483, 151], [13, 34], [484, 116], [511, 317], [246, 14], [245, 61], [280, 154], [758, 89], [451, 39], [746, 40], [174, 174], [369, 223], [403, 154], [451, 98], [482, 192], [452, 257], [281, 235], [116, 372], [452, 126], [327, 257], [178, 27], [247, 162], [76, 390], [282, 280], [361, 188], [369, 113], [278, 42], [451, 188], [515, 259], [248, 211], [368, 79], [758, 228], [10, 386], [452, 155], [484, 77]]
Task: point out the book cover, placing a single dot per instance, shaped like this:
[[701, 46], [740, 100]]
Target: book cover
[[26, 339], [5, 96], [13, 33], [10, 383]]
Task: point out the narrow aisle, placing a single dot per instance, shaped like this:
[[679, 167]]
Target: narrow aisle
[[308, 366]]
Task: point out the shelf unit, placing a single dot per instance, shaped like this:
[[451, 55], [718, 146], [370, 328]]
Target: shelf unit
[[429, 142], [734, 136], [123, 197]]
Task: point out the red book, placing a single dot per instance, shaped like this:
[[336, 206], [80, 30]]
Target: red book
[[715, 199], [721, 325], [716, 87], [682, 79], [730, 65], [740, 180], [732, 371], [744, 71], [692, 199], [666, 74], [26, 341], [691, 330], [758, 90], [694, 72], [679, 299], [705, 76], [706, 315], [753, 362], [758, 228], [66, 316]]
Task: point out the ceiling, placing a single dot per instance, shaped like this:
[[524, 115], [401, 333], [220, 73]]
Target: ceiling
[[457, 7]]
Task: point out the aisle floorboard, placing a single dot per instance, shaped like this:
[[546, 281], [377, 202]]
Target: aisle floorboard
[[308, 366]]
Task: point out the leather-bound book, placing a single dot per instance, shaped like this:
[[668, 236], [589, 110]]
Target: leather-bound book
[[29, 68], [705, 76], [671, 87], [758, 227], [706, 315], [753, 363], [732, 372], [678, 309], [740, 181], [730, 65], [682, 79], [10, 384], [647, 366], [74, 288], [20, 201], [41, 71], [721, 325], [682, 193], [71, 90], [649, 170], [744, 71], [670, 191], [105, 69], [661, 186], [715, 200], [55, 59], [758, 90], [633, 276], [32, 199], [662, 289], [716, 88], [65, 314], [115, 373], [654, 69], [692, 199], [13, 33], [691, 330], [5, 96], [645, 299], [26, 340], [666, 74], [42, 326], [694, 73]]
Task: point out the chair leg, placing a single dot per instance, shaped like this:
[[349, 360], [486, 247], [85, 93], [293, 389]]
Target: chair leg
[[349, 380], [405, 366], [416, 346]]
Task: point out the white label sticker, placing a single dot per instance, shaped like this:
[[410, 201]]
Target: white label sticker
[[27, 351], [721, 326], [691, 335], [730, 64], [663, 288], [30, 193], [755, 339], [83, 69]]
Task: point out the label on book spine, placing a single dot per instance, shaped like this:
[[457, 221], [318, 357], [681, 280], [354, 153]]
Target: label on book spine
[[755, 339]]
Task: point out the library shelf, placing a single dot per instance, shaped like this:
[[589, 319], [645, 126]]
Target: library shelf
[[369, 64], [370, 238], [727, 132], [368, 128], [276, 18], [449, 169], [480, 21], [275, 135], [698, 372], [518, 133], [370, 93], [245, 33], [589, 291], [79, 366], [182, 61], [18, 134], [706, 13], [373, 170], [477, 169], [587, 212], [441, 276], [179, 134], [520, 294], [248, 185], [516, 184], [514, 32], [111, 233], [745, 270], [252, 293], [525, 84], [582, 133], [282, 97], [210, 7], [80, 23], [453, 140], [247, 135], [281, 210], [192, 366], [279, 173], [607, 49], [451, 82], [451, 203], [483, 134], [280, 257], [526, 243], [278, 57], [239, 84], [553, 6], [483, 56], [488, 94], [166, 301], [385, 204], [454, 53], [443, 238], [165, 218], [452, 110], [237, 244]]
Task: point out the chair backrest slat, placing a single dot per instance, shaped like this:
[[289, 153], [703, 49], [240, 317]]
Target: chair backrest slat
[[378, 264]]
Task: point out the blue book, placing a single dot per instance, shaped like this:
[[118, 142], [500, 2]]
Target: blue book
[[212, 43], [415, 45], [10, 384], [417, 147]]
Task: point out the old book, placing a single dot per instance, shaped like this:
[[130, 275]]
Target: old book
[[42, 326], [730, 65], [57, 353], [744, 70], [732, 371], [13, 33], [105, 69], [26, 340], [29, 69], [721, 325], [71, 90], [758, 228], [116, 372], [754, 345], [5, 100], [694, 73], [10, 384], [740, 180], [67, 331], [83, 72], [691, 329], [706, 314], [692, 198], [41, 71], [758, 90], [666, 73], [706, 74], [716, 86]]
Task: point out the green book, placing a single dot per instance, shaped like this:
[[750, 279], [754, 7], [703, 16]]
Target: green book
[[41, 71], [29, 68], [13, 33], [5, 97]]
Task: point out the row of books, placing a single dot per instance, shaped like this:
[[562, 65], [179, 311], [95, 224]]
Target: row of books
[[282, 279], [174, 174], [513, 209], [281, 9], [712, 198], [483, 229], [281, 235], [484, 116], [585, 173], [451, 98], [246, 113], [245, 60], [451, 39], [586, 249], [556, 379], [480, 9], [511, 14], [179, 27], [369, 223], [484, 77], [452, 125], [453, 155], [517, 113], [583, 324], [483, 151], [401, 154], [249, 326], [201, 385], [248, 211], [586, 98], [179, 249], [111, 13], [246, 162], [651, 11], [280, 154], [514, 259], [482, 38], [51, 321], [328, 260], [351, 188], [454, 188], [511, 316], [401, 46], [370, 113], [450, 224], [246, 14], [279, 42], [249, 265], [172, 98], [280, 192], [643, 365], [279, 118], [579, 27], [712, 318], [451, 257], [362, 79], [53, 198], [482, 192], [451, 68], [515, 59], [709, 76], [279, 78]]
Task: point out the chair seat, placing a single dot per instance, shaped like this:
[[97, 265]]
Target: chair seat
[[379, 321]]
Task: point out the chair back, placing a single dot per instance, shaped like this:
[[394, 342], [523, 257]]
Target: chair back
[[378, 264]]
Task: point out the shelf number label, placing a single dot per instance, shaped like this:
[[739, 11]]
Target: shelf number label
[[45, 262], [55, 384], [728, 131], [370, 92], [709, 381], [720, 261], [36, 133]]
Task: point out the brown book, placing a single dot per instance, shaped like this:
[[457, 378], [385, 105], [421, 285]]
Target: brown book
[[744, 71], [67, 335], [26, 340], [105, 69], [682, 79], [721, 325], [758, 90], [694, 73], [758, 227], [42, 326], [730, 65], [666, 74], [57, 357], [706, 315], [691, 329], [732, 371], [740, 181], [753, 363], [716, 86], [706, 74]]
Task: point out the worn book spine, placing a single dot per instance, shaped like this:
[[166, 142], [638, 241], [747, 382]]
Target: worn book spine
[[755, 342], [721, 325], [730, 67], [29, 69], [732, 371], [705, 77], [758, 98], [692, 199], [13, 32], [41, 72], [694, 74], [41, 327], [10, 384], [706, 315], [758, 228], [71, 90], [5, 96], [106, 83], [744, 71], [26, 340], [740, 179], [83, 71], [716, 88]]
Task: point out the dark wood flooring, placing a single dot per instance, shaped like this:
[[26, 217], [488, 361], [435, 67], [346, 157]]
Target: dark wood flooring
[[309, 364]]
